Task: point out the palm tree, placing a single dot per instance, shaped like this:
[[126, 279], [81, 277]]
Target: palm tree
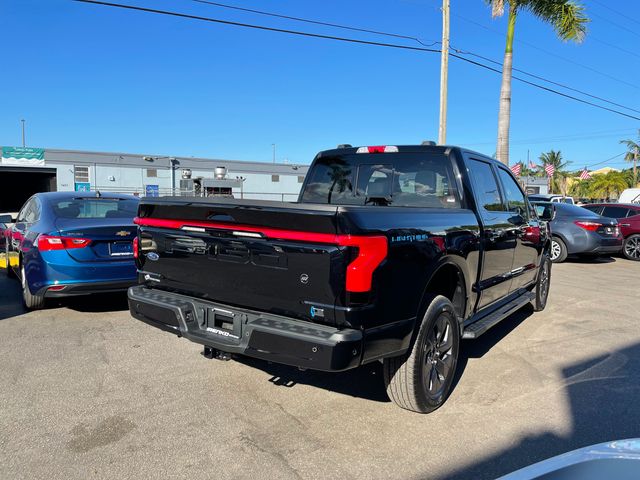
[[581, 188], [604, 185], [632, 155], [567, 18], [558, 181], [629, 177]]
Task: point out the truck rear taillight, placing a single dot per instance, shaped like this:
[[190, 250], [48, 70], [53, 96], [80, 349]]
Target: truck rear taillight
[[371, 252], [51, 242], [591, 226], [136, 248], [378, 149]]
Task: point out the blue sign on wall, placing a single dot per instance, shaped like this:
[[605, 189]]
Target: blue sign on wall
[[152, 191], [83, 187]]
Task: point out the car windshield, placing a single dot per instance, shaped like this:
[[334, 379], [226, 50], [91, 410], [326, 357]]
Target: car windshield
[[404, 179], [96, 208]]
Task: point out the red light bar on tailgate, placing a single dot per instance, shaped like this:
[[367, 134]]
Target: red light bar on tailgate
[[372, 250]]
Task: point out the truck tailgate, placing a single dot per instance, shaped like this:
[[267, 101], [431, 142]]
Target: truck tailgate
[[266, 256]]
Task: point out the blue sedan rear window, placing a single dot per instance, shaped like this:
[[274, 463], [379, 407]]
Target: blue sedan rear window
[[96, 208]]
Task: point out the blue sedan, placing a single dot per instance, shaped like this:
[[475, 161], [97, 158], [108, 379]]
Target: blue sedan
[[72, 243]]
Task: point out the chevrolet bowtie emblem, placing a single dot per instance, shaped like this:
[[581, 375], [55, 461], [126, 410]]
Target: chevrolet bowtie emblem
[[123, 233]]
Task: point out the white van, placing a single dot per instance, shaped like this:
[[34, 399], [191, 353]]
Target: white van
[[630, 195]]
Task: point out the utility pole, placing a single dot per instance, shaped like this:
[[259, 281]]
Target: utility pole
[[273, 146], [23, 136], [444, 73]]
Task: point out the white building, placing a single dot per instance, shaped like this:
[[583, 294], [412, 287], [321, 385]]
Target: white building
[[24, 171]]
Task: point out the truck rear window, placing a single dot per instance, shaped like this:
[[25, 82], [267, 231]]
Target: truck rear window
[[399, 179]]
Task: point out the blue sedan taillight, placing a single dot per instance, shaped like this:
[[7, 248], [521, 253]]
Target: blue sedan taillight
[[51, 242]]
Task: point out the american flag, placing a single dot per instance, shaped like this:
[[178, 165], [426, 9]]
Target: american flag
[[516, 169], [532, 166], [550, 169], [584, 175]]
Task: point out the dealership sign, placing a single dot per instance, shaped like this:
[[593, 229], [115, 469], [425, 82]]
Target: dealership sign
[[22, 156]]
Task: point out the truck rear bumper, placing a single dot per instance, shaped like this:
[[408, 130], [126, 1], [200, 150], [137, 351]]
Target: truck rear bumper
[[254, 334]]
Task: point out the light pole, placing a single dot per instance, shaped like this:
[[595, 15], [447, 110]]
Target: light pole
[[273, 145], [444, 74], [23, 135]]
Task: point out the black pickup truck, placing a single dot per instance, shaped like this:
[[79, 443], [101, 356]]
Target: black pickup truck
[[391, 254]]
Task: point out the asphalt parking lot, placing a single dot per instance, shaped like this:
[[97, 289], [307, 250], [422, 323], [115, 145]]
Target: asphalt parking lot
[[88, 392]]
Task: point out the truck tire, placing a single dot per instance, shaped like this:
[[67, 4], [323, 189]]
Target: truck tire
[[558, 253], [631, 247], [543, 283], [421, 380], [31, 301]]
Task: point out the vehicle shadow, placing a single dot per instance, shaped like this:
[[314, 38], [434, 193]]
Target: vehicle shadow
[[94, 303], [367, 381], [364, 382], [479, 347], [591, 260], [10, 297], [602, 393]]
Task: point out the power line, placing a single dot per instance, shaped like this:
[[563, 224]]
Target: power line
[[568, 60], [377, 32], [612, 45], [542, 87], [624, 15], [616, 24], [547, 80], [316, 22], [607, 160], [256, 27], [562, 138], [349, 40]]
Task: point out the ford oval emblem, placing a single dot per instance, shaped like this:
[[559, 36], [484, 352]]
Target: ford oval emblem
[[153, 256]]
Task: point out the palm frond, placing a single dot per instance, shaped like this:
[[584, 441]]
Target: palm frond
[[567, 17]]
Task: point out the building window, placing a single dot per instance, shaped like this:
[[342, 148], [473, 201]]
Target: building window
[[81, 174], [300, 178], [152, 172], [275, 178]]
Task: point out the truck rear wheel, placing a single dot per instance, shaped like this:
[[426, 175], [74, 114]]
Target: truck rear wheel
[[421, 381], [542, 285]]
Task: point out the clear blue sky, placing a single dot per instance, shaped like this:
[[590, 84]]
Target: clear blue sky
[[97, 78]]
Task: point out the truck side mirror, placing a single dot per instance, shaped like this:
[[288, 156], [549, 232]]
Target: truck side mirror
[[6, 219]]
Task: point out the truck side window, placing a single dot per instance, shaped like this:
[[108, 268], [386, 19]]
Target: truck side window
[[487, 192], [513, 195]]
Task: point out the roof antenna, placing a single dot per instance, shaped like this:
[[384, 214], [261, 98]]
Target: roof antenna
[[98, 194]]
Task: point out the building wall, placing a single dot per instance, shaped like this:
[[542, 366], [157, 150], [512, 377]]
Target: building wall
[[127, 173]]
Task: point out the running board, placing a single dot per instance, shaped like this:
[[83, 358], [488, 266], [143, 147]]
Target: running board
[[477, 328]]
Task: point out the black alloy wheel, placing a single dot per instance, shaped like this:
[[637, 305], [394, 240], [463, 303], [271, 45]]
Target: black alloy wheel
[[421, 380], [543, 284]]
